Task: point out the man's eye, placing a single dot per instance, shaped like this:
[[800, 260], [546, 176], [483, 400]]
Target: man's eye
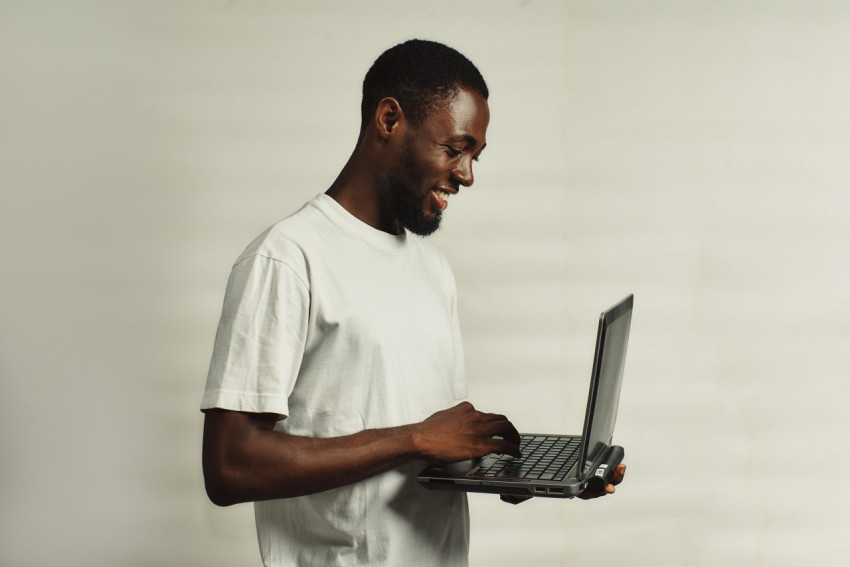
[[453, 152]]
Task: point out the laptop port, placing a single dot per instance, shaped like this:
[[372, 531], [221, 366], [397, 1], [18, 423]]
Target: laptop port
[[539, 490], [556, 490]]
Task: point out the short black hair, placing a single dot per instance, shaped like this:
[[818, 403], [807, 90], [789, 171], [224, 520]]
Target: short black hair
[[419, 74]]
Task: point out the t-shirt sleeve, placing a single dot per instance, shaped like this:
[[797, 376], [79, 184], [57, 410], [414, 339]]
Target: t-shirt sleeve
[[260, 339], [461, 392]]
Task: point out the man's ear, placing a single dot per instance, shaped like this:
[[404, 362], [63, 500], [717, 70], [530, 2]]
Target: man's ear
[[389, 118]]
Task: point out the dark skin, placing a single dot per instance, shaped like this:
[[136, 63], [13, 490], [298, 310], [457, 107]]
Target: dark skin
[[447, 143], [244, 459]]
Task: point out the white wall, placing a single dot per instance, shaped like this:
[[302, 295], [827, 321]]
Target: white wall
[[690, 152]]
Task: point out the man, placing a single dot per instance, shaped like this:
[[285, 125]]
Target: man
[[339, 348]]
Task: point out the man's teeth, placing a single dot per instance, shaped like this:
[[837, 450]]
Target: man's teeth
[[444, 194]]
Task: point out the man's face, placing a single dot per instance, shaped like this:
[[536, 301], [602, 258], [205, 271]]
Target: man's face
[[436, 160]]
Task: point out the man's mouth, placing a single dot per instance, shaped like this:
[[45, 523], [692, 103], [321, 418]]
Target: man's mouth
[[442, 197]]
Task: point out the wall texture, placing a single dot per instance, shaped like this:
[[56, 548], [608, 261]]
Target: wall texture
[[691, 153]]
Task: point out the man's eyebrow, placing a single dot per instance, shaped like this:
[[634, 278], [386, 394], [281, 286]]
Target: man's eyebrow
[[468, 140]]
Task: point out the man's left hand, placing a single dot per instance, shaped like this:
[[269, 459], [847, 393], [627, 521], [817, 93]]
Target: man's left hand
[[616, 479]]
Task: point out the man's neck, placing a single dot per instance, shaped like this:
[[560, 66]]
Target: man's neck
[[356, 190]]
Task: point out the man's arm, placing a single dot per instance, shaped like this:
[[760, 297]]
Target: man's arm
[[245, 460], [610, 488]]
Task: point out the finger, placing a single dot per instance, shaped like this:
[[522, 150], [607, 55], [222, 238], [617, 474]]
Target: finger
[[586, 495], [503, 446], [492, 417], [619, 474], [512, 434], [506, 430]]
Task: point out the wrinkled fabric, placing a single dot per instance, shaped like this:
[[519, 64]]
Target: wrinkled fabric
[[337, 327]]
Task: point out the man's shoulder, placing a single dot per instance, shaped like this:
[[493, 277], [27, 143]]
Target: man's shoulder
[[287, 239]]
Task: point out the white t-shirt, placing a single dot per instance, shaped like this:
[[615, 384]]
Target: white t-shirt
[[338, 327]]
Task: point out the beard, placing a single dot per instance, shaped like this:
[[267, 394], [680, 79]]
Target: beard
[[401, 189]]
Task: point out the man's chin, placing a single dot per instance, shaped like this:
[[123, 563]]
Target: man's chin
[[422, 225]]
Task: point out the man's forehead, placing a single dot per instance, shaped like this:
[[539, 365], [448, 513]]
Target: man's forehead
[[465, 100], [466, 115]]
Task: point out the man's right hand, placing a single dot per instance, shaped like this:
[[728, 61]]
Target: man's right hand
[[246, 460], [462, 432]]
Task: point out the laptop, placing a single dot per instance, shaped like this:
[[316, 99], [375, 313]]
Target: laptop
[[557, 466]]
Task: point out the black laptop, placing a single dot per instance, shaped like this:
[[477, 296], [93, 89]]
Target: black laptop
[[559, 466]]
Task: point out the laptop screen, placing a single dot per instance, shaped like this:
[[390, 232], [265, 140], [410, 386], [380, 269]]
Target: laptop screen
[[608, 363]]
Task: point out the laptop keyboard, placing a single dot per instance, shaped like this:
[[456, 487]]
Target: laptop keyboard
[[543, 458]]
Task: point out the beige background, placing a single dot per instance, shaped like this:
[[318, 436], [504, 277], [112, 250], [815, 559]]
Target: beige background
[[694, 153]]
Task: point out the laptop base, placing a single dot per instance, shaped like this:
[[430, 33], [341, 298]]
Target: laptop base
[[453, 476]]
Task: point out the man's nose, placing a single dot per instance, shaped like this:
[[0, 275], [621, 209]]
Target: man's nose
[[463, 172]]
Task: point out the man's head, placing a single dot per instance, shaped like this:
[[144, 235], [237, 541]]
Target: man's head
[[418, 74], [442, 99]]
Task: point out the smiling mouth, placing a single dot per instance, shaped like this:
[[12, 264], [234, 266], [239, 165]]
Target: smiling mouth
[[442, 198]]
